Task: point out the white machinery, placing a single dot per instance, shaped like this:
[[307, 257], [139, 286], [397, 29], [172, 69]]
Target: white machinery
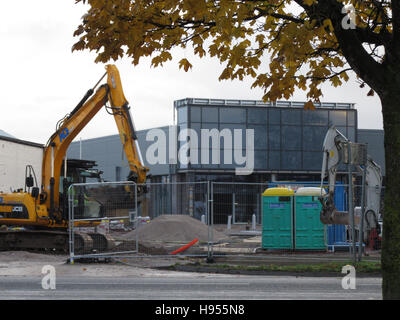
[[337, 148]]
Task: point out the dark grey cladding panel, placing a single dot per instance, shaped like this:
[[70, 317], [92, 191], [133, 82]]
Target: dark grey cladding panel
[[155, 169], [375, 141]]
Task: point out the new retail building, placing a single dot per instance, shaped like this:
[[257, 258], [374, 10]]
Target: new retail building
[[287, 141], [284, 139]]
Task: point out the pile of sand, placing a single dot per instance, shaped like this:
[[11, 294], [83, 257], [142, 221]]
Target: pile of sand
[[171, 228]]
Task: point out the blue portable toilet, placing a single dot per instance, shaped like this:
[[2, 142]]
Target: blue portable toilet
[[337, 233]]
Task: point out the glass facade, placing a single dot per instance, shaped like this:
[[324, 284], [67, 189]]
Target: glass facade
[[285, 138]]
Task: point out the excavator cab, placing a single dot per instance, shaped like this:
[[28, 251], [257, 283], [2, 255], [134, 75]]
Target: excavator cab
[[85, 205]]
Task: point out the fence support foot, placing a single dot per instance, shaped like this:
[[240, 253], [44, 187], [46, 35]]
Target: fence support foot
[[210, 260]]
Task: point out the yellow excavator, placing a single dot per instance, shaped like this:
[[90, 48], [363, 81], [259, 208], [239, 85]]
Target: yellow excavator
[[42, 213]]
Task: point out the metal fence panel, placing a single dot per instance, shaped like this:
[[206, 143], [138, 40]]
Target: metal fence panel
[[164, 219], [177, 214], [239, 200], [195, 219], [235, 205], [98, 214]]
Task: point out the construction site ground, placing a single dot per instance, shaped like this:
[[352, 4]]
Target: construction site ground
[[239, 246], [21, 263]]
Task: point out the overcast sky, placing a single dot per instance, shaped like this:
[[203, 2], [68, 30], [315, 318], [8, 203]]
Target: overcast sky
[[42, 80]]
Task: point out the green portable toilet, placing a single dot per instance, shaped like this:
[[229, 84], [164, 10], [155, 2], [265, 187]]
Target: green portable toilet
[[277, 223], [310, 232]]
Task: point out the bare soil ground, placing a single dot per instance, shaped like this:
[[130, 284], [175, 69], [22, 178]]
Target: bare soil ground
[[22, 263]]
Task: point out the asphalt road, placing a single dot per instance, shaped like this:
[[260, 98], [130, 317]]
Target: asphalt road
[[194, 287]]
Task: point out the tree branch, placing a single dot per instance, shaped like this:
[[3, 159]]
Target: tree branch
[[351, 45]]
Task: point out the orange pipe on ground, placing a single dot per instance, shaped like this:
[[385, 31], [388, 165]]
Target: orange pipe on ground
[[186, 246]]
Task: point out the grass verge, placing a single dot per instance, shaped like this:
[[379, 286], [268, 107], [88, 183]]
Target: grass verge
[[331, 267]]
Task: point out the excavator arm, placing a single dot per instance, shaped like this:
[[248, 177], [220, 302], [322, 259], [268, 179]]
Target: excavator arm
[[120, 110], [332, 146], [373, 193], [335, 143], [69, 127]]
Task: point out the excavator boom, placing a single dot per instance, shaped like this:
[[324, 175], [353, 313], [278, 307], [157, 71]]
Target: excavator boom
[[334, 152], [72, 125], [333, 143], [127, 131]]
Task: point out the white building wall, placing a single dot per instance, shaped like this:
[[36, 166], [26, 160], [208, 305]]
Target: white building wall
[[14, 157]]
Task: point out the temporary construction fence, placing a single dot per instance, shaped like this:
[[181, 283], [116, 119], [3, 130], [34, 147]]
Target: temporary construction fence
[[177, 215], [356, 204], [113, 219], [96, 212], [122, 219], [239, 202]]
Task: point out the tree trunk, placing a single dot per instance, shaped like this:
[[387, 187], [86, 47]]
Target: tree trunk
[[391, 215]]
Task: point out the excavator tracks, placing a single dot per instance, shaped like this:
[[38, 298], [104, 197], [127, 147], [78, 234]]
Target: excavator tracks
[[84, 243], [101, 242]]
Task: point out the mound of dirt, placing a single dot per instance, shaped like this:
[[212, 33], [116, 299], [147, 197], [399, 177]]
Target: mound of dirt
[[174, 228]]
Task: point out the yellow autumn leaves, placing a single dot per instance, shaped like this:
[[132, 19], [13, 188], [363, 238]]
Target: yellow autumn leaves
[[263, 40]]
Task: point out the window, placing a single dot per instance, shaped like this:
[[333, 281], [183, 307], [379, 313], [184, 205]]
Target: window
[[209, 114], [351, 134], [315, 117], [290, 116], [182, 115], [313, 138], [343, 130], [351, 118], [209, 138], [274, 116], [312, 160], [209, 126], [208, 163], [180, 129], [231, 127], [274, 160], [257, 115], [337, 118], [260, 160], [232, 115], [291, 160], [260, 137], [196, 127], [291, 138], [195, 114], [274, 137], [229, 161]]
